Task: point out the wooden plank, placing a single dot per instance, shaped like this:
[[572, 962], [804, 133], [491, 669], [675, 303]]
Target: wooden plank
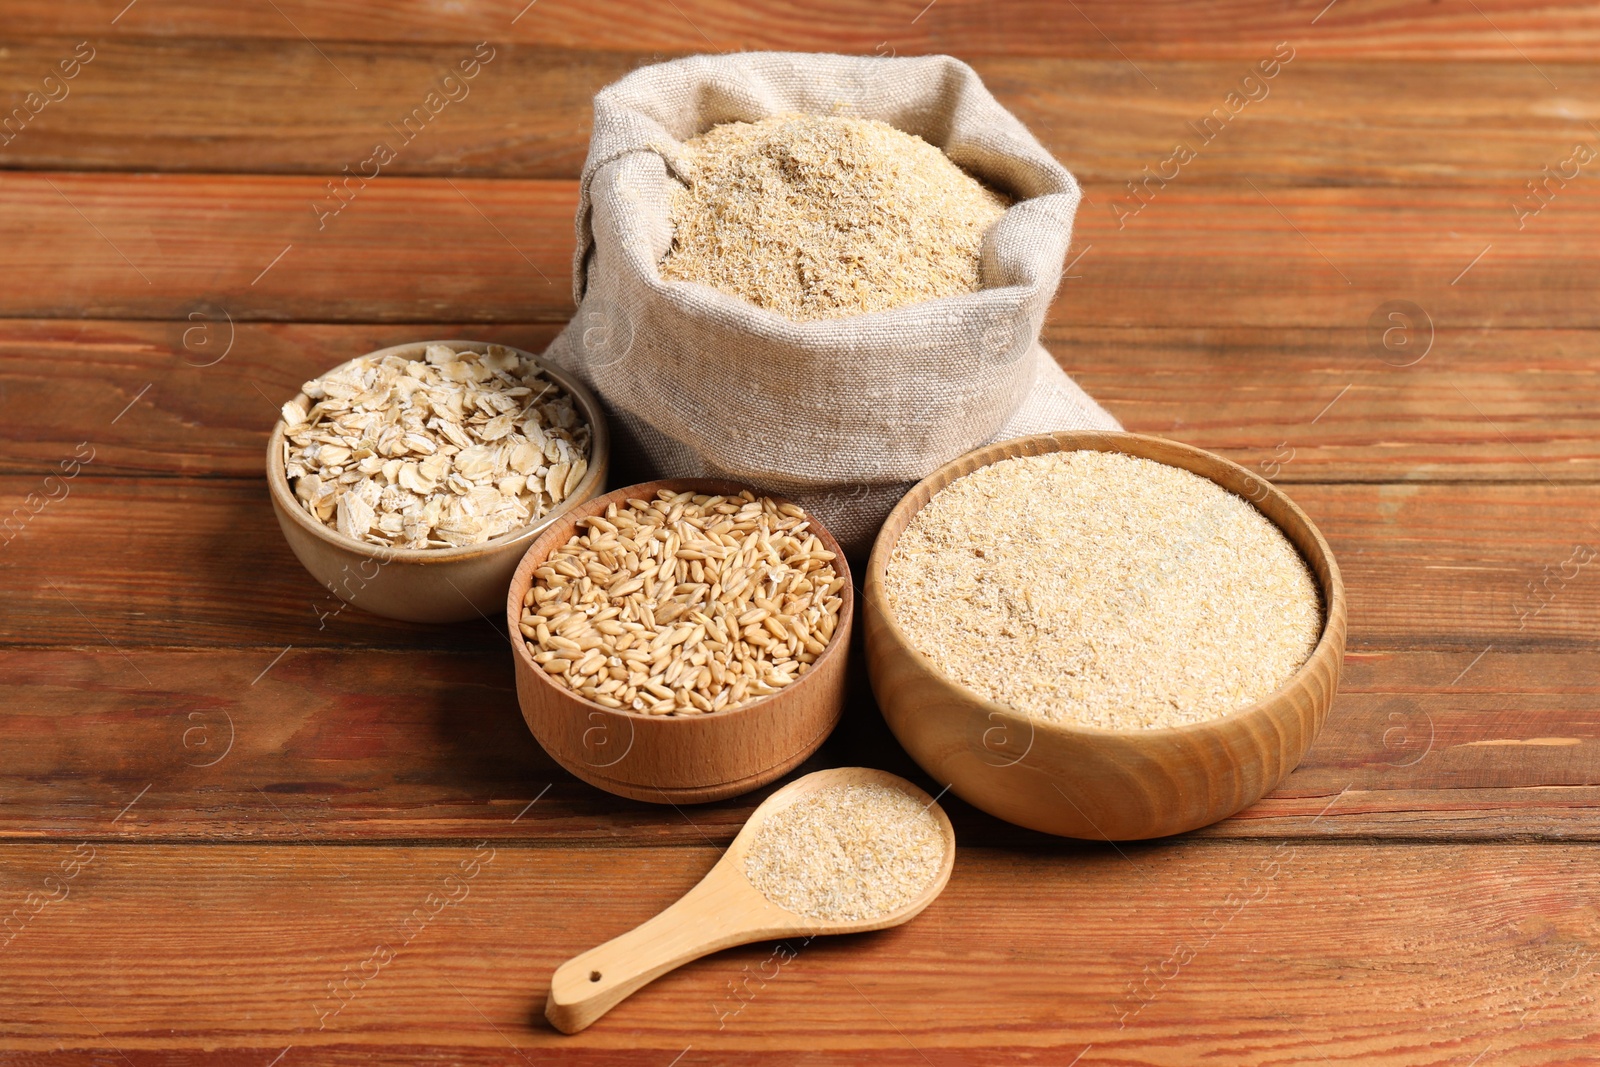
[[1306, 405], [329, 744], [1434, 745], [189, 563], [1317, 122], [1196, 256], [215, 385], [1439, 721], [343, 745], [205, 104], [1176, 953], [154, 562], [163, 246], [431, 250], [1260, 396], [1417, 29]]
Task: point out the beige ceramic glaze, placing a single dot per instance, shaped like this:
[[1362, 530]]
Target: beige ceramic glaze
[[427, 584], [1081, 781], [686, 759]]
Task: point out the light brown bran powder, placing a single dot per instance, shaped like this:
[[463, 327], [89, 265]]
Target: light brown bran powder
[[848, 852], [1104, 590], [818, 217]]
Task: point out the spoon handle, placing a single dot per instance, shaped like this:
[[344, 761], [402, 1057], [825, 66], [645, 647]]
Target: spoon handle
[[720, 912]]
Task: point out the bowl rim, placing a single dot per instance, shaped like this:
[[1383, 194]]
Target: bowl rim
[[599, 456], [1332, 592], [522, 581]]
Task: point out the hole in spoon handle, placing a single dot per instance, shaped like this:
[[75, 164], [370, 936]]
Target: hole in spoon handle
[[716, 914]]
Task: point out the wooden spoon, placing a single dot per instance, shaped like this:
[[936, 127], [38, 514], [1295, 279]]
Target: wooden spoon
[[722, 911]]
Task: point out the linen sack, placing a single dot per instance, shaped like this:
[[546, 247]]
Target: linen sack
[[841, 415]]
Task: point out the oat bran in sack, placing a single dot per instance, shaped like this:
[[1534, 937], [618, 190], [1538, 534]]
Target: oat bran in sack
[[842, 415]]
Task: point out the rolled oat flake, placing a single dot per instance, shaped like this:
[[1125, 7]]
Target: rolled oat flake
[[444, 451]]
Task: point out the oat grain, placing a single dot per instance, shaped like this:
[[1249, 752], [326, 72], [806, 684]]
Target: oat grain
[[685, 604]]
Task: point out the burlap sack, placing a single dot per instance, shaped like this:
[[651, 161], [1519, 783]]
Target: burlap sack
[[842, 415]]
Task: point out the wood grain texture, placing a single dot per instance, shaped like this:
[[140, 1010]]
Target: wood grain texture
[[246, 746], [679, 759], [1482, 404], [724, 910], [1343, 918], [164, 246], [1336, 405], [1195, 256], [205, 102], [1117, 785], [215, 385], [462, 583], [1451, 567], [1417, 29], [336, 745], [431, 250], [1179, 952]]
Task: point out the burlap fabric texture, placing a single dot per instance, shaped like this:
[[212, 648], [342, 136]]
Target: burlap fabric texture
[[842, 415]]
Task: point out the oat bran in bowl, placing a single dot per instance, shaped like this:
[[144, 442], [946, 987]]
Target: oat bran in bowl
[[390, 488], [1159, 659]]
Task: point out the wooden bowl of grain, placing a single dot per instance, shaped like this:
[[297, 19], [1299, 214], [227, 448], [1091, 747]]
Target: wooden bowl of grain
[[443, 584], [1127, 780], [688, 758]]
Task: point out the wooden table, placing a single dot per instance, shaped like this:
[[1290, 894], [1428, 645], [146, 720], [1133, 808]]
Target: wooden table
[[243, 827]]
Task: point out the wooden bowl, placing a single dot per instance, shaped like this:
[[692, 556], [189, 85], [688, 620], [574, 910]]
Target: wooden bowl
[[678, 760], [426, 584], [1088, 782]]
